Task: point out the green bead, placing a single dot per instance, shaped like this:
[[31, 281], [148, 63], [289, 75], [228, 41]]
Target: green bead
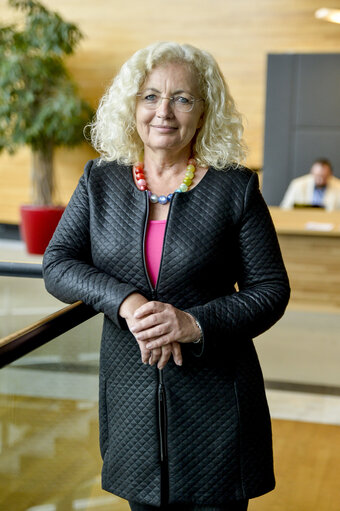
[[187, 181], [191, 167], [183, 187], [189, 174]]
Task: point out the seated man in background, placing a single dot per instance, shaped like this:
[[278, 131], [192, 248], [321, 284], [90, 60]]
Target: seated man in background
[[318, 188]]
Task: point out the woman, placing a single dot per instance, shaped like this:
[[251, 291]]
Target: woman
[[159, 233]]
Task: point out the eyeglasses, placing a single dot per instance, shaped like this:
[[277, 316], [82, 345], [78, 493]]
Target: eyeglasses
[[182, 102]]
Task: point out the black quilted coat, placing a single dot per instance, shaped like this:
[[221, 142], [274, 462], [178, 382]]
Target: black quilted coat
[[214, 428]]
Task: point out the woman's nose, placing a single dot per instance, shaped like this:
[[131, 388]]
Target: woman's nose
[[164, 108]]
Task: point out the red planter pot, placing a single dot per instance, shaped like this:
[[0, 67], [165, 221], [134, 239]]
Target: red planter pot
[[38, 224]]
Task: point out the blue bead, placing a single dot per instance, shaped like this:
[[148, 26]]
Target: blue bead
[[178, 190], [162, 199], [170, 196]]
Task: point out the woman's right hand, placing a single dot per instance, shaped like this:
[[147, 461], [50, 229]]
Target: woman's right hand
[[160, 355]]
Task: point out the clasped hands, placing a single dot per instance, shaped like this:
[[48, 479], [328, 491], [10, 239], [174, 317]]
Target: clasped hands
[[158, 328]]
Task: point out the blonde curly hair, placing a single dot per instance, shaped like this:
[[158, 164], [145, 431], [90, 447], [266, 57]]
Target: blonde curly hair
[[218, 142]]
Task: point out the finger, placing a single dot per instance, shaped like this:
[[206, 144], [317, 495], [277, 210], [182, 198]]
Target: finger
[[145, 353], [159, 342], [165, 356], [155, 355], [148, 308], [177, 353], [160, 334], [148, 322]]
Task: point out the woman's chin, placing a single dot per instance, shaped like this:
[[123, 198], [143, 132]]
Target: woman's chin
[[166, 144]]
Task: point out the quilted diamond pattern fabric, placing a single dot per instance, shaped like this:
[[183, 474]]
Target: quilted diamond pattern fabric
[[218, 234]]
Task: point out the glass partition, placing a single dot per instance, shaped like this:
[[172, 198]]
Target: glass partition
[[24, 301], [49, 447]]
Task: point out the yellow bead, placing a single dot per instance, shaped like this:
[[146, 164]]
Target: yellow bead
[[189, 174], [191, 167], [187, 181]]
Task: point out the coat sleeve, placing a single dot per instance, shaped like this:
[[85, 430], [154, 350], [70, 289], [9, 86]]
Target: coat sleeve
[[68, 270], [263, 283]]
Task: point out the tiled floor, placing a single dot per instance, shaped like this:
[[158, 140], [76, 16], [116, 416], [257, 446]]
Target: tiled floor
[[12, 250], [305, 407]]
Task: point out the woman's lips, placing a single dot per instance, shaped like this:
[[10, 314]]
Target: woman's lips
[[163, 129]]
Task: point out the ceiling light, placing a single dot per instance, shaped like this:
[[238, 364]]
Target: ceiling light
[[328, 14]]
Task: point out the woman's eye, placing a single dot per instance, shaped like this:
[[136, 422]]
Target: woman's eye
[[182, 99], [151, 98]]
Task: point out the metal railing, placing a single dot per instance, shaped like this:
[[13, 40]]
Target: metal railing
[[33, 336], [13, 269]]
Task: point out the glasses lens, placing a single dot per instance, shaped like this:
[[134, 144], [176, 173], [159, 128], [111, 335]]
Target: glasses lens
[[150, 100], [181, 102]]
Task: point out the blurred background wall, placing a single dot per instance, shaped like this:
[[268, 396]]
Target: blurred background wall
[[239, 33]]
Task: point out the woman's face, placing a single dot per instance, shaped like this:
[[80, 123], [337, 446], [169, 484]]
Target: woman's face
[[166, 128]]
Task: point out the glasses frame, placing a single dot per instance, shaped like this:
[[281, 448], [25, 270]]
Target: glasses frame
[[172, 102]]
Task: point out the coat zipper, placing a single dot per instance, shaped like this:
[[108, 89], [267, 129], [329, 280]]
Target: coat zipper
[[162, 418], [161, 396]]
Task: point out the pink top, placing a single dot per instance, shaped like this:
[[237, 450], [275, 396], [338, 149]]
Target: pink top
[[153, 248]]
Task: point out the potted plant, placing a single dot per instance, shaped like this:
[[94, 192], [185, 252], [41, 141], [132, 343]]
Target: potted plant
[[39, 105]]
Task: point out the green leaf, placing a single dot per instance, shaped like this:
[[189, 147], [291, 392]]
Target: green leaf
[[39, 102]]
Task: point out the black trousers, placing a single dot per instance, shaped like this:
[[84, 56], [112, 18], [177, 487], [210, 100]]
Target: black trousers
[[237, 505]]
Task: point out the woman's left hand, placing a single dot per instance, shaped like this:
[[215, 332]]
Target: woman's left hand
[[160, 324]]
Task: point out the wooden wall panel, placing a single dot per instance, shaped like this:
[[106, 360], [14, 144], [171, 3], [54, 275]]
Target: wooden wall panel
[[238, 33]]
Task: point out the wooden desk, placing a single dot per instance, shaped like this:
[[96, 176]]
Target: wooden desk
[[310, 244]]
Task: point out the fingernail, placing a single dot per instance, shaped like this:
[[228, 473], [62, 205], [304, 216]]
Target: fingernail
[[179, 362], [149, 346]]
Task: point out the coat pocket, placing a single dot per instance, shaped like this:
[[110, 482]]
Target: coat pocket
[[103, 417]]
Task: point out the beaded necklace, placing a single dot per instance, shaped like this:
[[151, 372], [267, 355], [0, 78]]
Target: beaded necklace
[[138, 169]]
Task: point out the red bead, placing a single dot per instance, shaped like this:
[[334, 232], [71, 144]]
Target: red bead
[[143, 188], [192, 161], [139, 167], [140, 175]]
